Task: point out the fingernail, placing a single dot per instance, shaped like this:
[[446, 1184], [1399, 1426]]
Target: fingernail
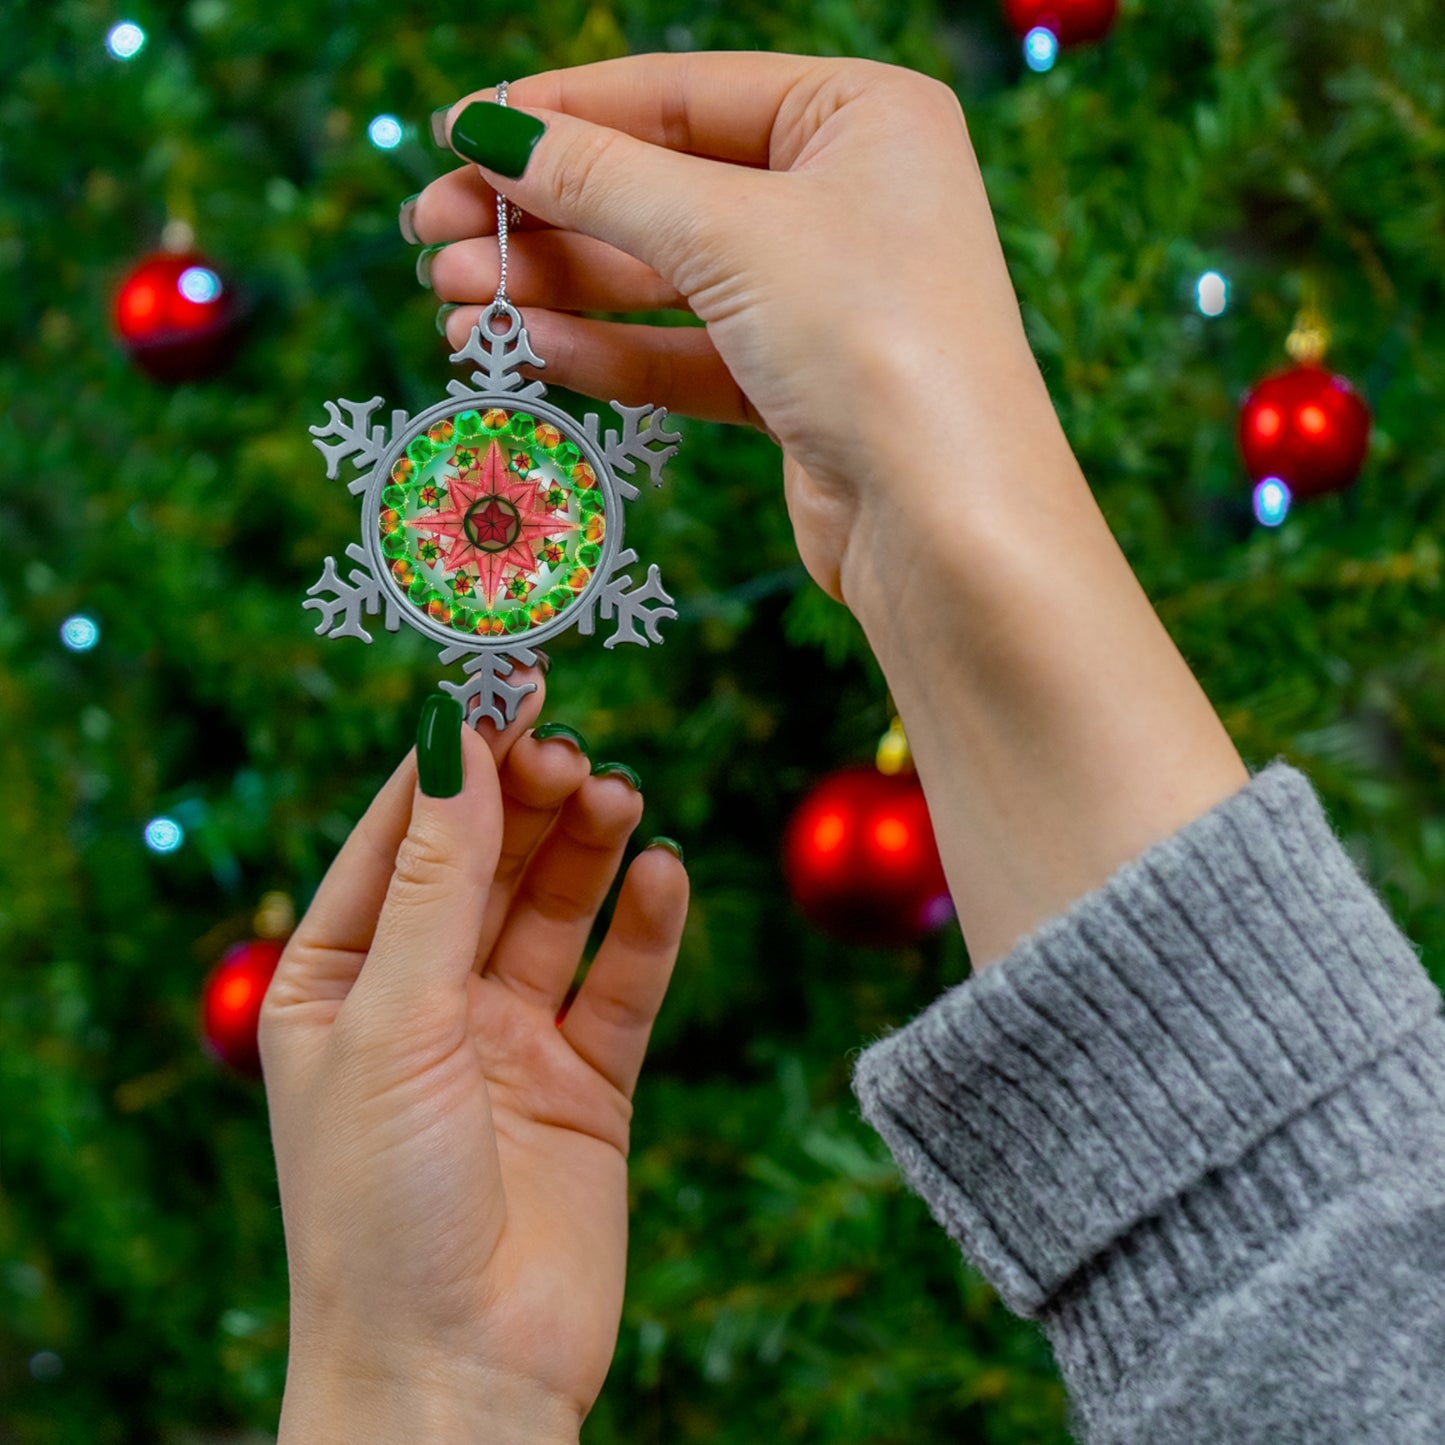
[[424, 260], [544, 662], [496, 136], [671, 844], [561, 730], [404, 219], [443, 311], [439, 125], [439, 747], [618, 770]]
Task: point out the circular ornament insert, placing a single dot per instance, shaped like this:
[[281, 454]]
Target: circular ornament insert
[[492, 523]]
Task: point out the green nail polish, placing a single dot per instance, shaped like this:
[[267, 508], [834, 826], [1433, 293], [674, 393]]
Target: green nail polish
[[424, 260], [671, 844], [405, 221], [561, 730], [618, 770], [496, 136], [443, 311], [439, 747], [439, 125]]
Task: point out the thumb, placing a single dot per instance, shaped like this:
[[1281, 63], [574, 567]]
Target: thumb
[[425, 942], [653, 203]]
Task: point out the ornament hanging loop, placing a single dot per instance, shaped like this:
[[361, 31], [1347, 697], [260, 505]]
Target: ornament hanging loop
[[502, 310]]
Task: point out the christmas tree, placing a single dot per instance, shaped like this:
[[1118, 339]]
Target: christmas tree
[[177, 743]]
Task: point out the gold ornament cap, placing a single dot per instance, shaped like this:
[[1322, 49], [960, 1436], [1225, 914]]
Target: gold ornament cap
[[894, 755]]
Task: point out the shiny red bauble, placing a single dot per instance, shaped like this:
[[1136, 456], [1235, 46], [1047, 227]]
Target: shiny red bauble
[[861, 861], [1073, 22], [176, 317], [1307, 427], [231, 1003]]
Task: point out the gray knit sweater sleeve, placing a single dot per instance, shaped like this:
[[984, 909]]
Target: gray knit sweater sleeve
[[1196, 1127]]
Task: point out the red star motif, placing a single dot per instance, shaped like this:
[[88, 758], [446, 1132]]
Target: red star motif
[[501, 536]]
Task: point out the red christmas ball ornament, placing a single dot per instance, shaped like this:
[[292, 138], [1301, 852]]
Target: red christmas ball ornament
[[176, 318], [231, 1003], [1306, 426], [1071, 22], [861, 860]]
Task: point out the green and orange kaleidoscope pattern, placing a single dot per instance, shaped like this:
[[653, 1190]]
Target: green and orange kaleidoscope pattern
[[492, 523]]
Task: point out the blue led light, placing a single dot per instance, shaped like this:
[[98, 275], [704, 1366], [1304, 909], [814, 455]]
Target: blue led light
[[126, 40], [385, 132], [164, 835], [1271, 502], [80, 633], [1041, 48], [1211, 294], [199, 284]]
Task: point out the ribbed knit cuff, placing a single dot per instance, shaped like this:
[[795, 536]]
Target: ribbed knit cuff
[[1226, 981]]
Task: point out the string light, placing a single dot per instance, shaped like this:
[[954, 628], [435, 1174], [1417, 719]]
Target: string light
[[385, 132], [1041, 48], [46, 1365], [126, 40], [199, 284], [164, 835], [1271, 502], [1211, 294], [80, 633]]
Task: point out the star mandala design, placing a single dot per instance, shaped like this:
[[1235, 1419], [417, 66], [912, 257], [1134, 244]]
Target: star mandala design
[[497, 522]]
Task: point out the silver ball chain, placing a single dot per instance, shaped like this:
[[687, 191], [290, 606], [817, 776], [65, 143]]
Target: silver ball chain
[[501, 302]]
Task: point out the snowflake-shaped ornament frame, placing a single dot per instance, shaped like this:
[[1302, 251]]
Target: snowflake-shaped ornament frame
[[411, 568]]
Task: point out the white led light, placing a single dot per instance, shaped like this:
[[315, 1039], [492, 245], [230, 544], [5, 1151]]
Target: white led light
[[164, 835], [385, 132], [199, 284], [126, 40], [1041, 48], [79, 633], [1211, 293], [1271, 502]]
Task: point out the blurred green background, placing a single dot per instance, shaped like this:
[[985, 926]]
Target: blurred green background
[[783, 1285]]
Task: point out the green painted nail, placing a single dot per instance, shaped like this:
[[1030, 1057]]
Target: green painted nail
[[439, 747], [561, 730], [618, 770], [671, 844], [496, 136], [404, 219], [439, 125], [443, 311], [424, 260]]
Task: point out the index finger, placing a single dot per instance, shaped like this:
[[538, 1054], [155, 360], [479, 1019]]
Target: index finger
[[724, 105]]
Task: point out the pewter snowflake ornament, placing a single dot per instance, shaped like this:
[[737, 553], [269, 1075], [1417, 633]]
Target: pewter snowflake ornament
[[492, 521]]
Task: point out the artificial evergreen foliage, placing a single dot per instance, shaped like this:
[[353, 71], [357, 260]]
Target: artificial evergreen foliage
[[782, 1286]]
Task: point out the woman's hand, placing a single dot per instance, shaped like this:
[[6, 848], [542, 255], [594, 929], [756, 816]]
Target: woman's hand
[[452, 1156], [825, 218]]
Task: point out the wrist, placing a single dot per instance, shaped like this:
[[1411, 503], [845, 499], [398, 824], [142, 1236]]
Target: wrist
[[1057, 730], [408, 1397], [955, 468]]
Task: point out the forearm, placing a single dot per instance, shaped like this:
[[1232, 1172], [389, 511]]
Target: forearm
[[1057, 730]]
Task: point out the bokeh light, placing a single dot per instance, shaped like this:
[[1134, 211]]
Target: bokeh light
[[1271, 502], [199, 284], [164, 835], [385, 132], [126, 40], [1041, 48], [80, 633], [1211, 294]]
